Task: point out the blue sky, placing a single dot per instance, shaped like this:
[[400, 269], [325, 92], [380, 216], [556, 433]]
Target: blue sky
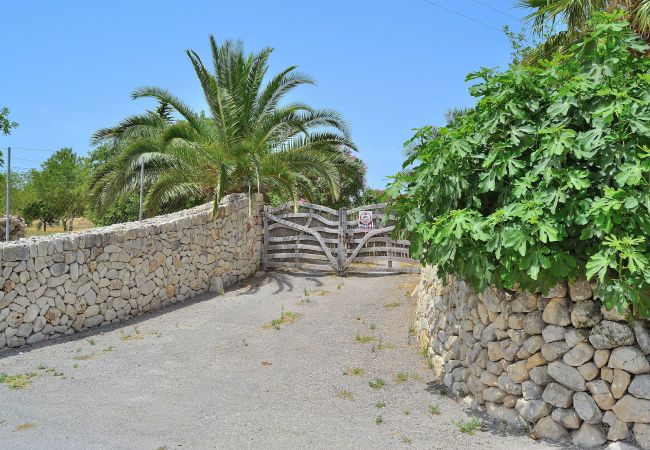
[[388, 66]]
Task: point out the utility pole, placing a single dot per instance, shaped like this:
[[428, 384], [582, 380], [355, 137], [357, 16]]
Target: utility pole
[[141, 188], [7, 218]]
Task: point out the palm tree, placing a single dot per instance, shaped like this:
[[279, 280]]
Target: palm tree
[[249, 137], [575, 13]]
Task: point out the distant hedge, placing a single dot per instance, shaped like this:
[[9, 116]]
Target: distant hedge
[[547, 178]]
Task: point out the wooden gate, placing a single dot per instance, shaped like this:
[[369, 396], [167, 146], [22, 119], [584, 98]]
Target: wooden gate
[[315, 237]]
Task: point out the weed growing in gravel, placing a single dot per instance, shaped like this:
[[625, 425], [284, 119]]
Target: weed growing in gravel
[[338, 286], [443, 390], [434, 408], [363, 339], [377, 383], [306, 292], [407, 412], [75, 366], [135, 336], [91, 341], [244, 342], [380, 405], [18, 381], [373, 327], [345, 394], [401, 377], [54, 372], [391, 304], [381, 346], [41, 367], [85, 357], [78, 350], [470, 426], [407, 440], [461, 392], [412, 330], [354, 371], [286, 318], [379, 420], [108, 349], [25, 426]]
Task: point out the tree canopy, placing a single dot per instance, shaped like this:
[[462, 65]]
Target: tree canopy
[[547, 178]]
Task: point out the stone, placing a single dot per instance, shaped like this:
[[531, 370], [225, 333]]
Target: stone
[[586, 314], [601, 357], [580, 290], [630, 359], [613, 314], [533, 344], [557, 395], [494, 395], [552, 333], [642, 435], [640, 328], [32, 313], [640, 386], [557, 312], [524, 302], [586, 407], [554, 350], [588, 436], [608, 334], [617, 428], [536, 360], [510, 401], [568, 418], [567, 376], [620, 382], [620, 446], [579, 354], [632, 409], [601, 394], [547, 428], [505, 383], [502, 414], [517, 371], [540, 375], [531, 391], [532, 410], [574, 336], [494, 351], [589, 371], [559, 290], [607, 374], [533, 323]]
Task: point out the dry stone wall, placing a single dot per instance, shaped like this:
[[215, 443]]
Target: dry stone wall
[[65, 283], [560, 363]]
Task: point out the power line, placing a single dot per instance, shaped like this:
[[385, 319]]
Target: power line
[[495, 9], [30, 149], [28, 160], [462, 15]]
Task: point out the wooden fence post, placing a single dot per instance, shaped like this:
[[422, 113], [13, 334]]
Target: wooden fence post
[[265, 243], [343, 230]]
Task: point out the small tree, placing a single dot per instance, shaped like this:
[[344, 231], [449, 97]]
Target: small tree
[[41, 211]]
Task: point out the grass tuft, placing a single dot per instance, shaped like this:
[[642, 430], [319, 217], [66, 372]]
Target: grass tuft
[[377, 383], [379, 420], [391, 305], [380, 405], [401, 377], [345, 394], [361, 339], [18, 381], [25, 426], [286, 318], [470, 427], [434, 409], [354, 371]]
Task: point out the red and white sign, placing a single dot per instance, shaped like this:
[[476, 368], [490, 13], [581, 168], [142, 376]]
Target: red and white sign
[[365, 220]]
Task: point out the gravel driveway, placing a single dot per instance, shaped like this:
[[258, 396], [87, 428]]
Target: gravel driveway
[[210, 374]]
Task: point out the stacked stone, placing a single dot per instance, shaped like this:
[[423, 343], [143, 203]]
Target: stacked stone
[[17, 228], [68, 282], [559, 362]]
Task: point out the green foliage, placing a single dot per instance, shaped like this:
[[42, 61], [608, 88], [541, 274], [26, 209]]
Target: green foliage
[[6, 125], [250, 138], [59, 187], [546, 179], [41, 211]]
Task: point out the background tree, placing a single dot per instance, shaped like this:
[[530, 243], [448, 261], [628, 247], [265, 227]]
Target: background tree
[[41, 211], [61, 184], [6, 125], [249, 137], [561, 22]]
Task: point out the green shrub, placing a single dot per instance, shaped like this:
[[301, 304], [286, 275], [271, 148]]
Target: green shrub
[[547, 178]]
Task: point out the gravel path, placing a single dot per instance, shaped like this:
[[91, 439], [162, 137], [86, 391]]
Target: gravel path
[[209, 375]]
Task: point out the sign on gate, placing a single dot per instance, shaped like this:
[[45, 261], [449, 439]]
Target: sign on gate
[[365, 220]]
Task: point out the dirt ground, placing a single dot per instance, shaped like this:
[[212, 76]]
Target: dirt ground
[[216, 373]]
